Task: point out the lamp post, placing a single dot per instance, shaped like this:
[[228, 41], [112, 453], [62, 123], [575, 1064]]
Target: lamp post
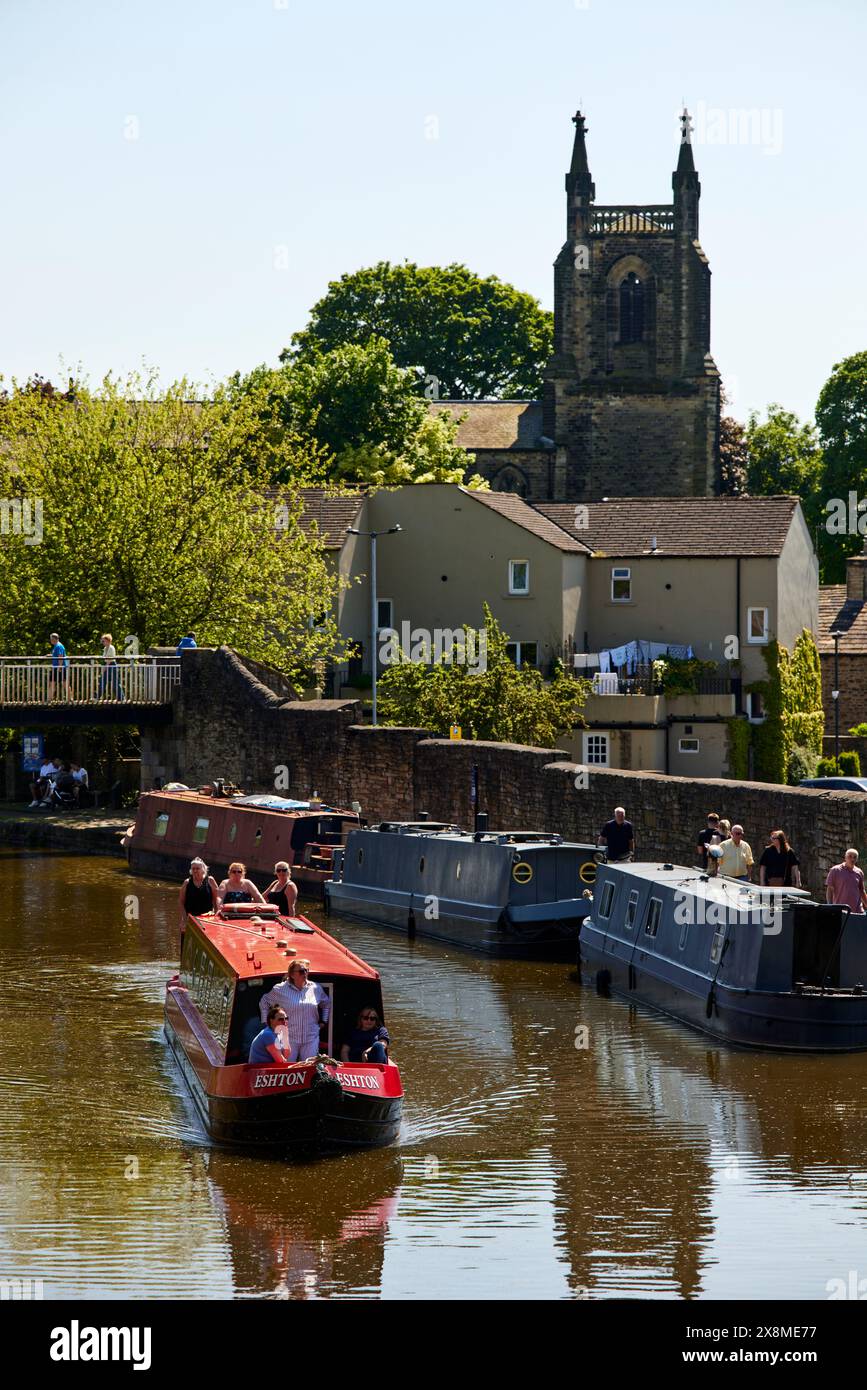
[[835, 696], [373, 536]]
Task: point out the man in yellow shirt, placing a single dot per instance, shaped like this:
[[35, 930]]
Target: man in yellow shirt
[[737, 857]]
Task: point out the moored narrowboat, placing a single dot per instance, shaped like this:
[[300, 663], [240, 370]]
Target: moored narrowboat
[[172, 827], [759, 967], [229, 961], [504, 893]]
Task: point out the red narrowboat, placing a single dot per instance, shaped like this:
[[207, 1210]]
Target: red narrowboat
[[173, 827], [229, 961]]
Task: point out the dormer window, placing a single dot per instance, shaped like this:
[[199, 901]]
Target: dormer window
[[631, 309]]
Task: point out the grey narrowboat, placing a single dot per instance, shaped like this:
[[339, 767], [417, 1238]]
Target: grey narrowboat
[[759, 967], [504, 893]]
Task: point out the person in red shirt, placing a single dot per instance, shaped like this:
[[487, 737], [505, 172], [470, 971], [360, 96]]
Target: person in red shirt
[[845, 884]]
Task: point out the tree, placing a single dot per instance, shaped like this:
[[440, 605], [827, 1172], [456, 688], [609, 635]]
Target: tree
[[733, 456], [154, 522], [490, 699], [364, 416], [464, 336], [841, 417], [785, 457]]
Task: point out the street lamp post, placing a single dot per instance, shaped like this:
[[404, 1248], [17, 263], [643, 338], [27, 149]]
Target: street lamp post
[[835, 696], [373, 536]]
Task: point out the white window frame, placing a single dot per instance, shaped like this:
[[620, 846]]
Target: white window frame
[[631, 909], [653, 917], [519, 660], [606, 902], [690, 752], [595, 762], [513, 590], [753, 718], [619, 573], [757, 641]]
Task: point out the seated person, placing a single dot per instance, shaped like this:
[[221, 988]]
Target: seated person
[[39, 785], [368, 1041], [237, 888], [266, 1048], [79, 776]]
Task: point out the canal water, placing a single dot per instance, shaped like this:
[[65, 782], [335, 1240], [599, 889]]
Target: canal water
[[648, 1163]]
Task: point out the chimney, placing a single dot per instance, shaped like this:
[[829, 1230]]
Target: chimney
[[856, 575]]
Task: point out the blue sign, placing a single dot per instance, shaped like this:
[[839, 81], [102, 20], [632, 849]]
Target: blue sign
[[32, 752]]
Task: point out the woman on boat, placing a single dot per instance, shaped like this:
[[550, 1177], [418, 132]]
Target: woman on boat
[[267, 1046], [778, 866], [368, 1041], [198, 894], [282, 891], [307, 1006], [237, 888]]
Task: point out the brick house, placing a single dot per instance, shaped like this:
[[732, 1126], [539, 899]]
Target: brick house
[[843, 608], [631, 403]]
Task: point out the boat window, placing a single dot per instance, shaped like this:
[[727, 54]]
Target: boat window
[[458, 869], [421, 865], [200, 833], [654, 911], [716, 944], [161, 824], [631, 909], [258, 836], [607, 899], [233, 830], [684, 932], [361, 856]]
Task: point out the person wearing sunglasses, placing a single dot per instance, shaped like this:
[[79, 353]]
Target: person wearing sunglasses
[[368, 1041], [282, 891], [266, 1048], [237, 888], [307, 1007]]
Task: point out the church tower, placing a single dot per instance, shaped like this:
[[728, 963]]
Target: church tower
[[632, 394]]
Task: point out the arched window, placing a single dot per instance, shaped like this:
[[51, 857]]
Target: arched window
[[511, 480], [631, 309]]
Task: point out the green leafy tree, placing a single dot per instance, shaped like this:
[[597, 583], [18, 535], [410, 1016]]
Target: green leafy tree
[[154, 522], [841, 417], [499, 703], [734, 456], [474, 337], [785, 456], [364, 417]]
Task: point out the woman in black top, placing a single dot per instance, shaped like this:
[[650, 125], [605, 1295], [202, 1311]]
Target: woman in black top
[[282, 891], [778, 866], [198, 894]]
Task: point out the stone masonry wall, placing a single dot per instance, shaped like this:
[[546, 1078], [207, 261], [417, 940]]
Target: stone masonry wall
[[853, 690], [231, 726]]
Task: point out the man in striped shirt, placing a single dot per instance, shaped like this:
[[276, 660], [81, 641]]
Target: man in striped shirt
[[307, 1006]]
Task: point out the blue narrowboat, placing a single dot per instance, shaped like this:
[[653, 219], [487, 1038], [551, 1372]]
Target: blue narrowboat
[[759, 967], [504, 893]]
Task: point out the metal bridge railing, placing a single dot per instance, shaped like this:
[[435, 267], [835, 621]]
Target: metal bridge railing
[[86, 680]]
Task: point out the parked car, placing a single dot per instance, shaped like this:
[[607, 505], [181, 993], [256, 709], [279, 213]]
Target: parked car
[[836, 784]]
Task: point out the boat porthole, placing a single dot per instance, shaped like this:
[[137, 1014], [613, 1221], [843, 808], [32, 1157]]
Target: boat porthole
[[458, 869], [587, 872], [233, 830], [421, 865], [258, 836], [522, 872]]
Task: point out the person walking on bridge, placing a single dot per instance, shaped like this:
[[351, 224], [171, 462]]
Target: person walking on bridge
[[59, 669], [110, 677]]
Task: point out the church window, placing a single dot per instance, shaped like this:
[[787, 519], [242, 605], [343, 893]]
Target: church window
[[631, 309]]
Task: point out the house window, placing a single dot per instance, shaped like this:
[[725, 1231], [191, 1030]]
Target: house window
[[631, 909], [596, 750], [523, 653], [621, 586], [519, 576], [200, 833], [755, 707], [654, 911], [384, 614], [688, 745], [607, 900], [161, 824], [757, 625]]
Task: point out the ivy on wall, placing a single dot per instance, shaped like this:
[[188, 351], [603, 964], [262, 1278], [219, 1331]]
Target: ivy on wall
[[794, 717]]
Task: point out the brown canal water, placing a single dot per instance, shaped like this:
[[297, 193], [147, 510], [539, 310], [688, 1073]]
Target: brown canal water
[[650, 1163]]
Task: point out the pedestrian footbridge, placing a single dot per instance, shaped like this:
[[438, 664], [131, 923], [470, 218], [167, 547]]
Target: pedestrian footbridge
[[85, 691]]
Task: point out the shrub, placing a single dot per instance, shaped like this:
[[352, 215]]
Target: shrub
[[802, 764], [850, 764], [826, 768], [859, 731]]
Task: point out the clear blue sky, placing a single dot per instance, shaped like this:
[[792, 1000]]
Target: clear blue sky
[[283, 142]]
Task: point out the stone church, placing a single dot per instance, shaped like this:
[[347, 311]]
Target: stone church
[[631, 403]]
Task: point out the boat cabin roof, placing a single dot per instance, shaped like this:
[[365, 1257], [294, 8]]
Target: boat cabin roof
[[265, 804], [518, 839], [253, 949], [749, 896]]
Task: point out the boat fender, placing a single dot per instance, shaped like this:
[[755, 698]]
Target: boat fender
[[708, 1008]]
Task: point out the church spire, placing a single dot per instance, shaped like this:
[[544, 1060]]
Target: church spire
[[685, 162], [579, 151], [684, 181], [579, 185]]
